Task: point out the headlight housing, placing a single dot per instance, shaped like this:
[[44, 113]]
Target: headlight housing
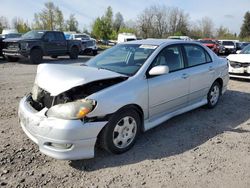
[[24, 45], [72, 110]]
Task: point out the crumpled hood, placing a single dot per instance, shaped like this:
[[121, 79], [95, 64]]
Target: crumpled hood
[[241, 58], [56, 79]]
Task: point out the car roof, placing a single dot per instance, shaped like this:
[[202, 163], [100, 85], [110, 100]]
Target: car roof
[[158, 42]]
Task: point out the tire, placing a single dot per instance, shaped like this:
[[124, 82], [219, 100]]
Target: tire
[[213, 95], [36, 56], [74, 52], [121, 132], [54, 56], [11, 59], [94, 52]]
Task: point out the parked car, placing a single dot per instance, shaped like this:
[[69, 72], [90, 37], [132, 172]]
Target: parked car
[[180, 38], [129, 88], [36, 44], [125, 37], [230, 47], [5, 36], [239, 64], [88, 44], [212, 44], [241, 46]]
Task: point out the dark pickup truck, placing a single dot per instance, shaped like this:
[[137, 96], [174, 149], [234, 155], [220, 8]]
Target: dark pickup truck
[[36, 44]]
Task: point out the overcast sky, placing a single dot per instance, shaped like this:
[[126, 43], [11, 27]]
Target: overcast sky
[[228, 13]]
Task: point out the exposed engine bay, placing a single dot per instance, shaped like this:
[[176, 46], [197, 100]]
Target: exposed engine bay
[[42, 98]]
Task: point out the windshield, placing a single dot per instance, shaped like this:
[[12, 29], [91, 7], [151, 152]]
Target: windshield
[[229, 43], [246, 50], [33, 35], [124, 58]]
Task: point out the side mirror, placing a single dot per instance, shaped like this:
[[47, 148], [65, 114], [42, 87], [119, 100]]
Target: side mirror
[[238, 51], [159, 70]]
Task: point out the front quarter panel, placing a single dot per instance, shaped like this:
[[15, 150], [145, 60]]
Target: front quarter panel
[[132, 91]]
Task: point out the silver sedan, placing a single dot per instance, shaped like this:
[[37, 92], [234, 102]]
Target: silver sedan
[[128, 89]]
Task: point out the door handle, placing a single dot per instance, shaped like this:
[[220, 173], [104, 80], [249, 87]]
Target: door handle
[[185, 75]]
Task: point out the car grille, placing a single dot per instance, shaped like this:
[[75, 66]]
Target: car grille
[[235, 64], [13, 46]]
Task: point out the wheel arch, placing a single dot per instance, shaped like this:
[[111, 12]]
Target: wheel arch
[[220, 81], [37, 47], [135, 107]]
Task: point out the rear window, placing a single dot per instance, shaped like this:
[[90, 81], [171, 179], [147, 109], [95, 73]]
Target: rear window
[[196, 55]]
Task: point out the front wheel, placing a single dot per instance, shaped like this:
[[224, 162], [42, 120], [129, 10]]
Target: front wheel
[[36, 56], [213, 95], [121, 132]]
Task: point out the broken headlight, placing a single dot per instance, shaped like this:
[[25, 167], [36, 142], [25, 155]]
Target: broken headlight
[[72, 110], [36, 91]]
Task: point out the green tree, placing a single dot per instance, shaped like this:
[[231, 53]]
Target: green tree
[[72, 23], [245, 28], [97, 28], [50, 18], [224, 33], [20, 25], [103, 27]]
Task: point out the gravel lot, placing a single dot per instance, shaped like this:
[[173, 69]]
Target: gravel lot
[[201, 148]]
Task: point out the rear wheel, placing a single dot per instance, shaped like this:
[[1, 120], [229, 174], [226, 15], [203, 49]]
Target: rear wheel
[[11, 59], [213, 95], [74, 52], [36, 56], [121, 132]]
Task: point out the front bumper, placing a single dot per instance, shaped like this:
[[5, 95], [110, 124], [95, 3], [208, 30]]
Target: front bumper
[[15, 53], [239, 72], [59, 138]]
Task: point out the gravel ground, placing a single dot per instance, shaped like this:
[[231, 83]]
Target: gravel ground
[[201, 148]]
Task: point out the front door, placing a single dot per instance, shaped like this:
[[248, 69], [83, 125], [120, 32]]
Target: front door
[[169, 92]]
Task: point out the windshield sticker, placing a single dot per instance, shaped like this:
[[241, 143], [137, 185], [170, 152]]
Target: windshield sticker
[[145, 46], [41, 32]]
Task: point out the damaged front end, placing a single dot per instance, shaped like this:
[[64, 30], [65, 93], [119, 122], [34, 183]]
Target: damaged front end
[[238, 69], [70, 104]]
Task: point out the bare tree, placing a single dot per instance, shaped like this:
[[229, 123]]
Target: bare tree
[[160, 21], [178, 22], [145, 23], [3, 23], [207, 27]]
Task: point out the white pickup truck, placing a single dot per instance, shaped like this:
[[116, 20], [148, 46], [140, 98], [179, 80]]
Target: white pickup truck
[[88, 44]]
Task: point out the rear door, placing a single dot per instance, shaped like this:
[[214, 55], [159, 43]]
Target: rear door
[[169, 92], [50, 45], [61, 43], [201, 71]]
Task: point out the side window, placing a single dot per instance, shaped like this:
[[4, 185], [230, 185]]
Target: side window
[[196, 55], [59, 37], [170, 56], [49, 36]]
